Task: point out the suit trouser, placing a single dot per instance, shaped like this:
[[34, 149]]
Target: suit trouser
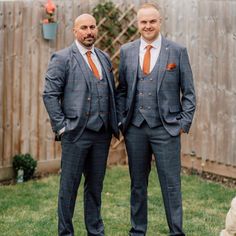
[[87, 156], [141, 142]]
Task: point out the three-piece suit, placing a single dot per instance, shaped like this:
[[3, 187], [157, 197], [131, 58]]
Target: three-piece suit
[[84, 106], [152, 110]]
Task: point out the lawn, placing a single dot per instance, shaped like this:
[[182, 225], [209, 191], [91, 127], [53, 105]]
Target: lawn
[[29, 209]]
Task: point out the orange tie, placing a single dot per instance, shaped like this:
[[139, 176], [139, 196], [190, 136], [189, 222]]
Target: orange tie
[[147, 60], [92, 65]]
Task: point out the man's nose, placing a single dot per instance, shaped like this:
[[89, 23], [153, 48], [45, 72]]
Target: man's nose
[[89, 31], [148, 25]]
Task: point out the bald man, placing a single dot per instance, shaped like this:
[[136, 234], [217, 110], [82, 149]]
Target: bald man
[[155, 104], [79, 98]]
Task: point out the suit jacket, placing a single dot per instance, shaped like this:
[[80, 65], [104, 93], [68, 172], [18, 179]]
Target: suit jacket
[[175, 88], [67, 93]]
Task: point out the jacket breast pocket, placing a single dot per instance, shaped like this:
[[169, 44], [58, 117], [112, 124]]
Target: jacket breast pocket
[[172, 70]]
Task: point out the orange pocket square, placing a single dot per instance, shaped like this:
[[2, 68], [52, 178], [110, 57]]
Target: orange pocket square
[[171, 66]]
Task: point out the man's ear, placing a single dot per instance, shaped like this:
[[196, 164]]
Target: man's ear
[[74, 31]]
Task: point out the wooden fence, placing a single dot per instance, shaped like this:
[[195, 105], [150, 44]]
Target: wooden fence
[[206, 27]]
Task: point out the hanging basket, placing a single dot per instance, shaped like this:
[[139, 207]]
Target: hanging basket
[[49, 31]]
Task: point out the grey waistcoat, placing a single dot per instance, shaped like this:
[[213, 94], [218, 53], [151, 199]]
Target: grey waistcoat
[[99, 109], [146, 104]]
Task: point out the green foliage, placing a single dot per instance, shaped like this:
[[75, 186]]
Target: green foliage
[[131, 30], [107, 10], [111, 26], [26, 163]]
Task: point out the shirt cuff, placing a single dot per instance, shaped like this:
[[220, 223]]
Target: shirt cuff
[[61, 131]]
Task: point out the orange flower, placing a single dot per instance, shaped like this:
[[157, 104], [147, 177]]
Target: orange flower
[[50, 7], [171, 66]]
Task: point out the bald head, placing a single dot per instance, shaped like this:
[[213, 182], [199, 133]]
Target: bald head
[[85, 30], [84, 17]]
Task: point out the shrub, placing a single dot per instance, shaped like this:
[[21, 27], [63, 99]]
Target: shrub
[[26, 163]]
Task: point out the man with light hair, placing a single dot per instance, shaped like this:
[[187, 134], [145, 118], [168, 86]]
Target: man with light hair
[[155, 104]]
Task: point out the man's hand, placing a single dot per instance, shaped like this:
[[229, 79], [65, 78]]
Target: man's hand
[[181, 131]]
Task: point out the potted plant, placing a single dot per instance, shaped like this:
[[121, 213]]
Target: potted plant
[[24, 166], [49, 23]]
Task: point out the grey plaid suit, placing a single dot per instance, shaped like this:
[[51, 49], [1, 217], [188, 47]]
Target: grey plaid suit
[[175, 98], [72, 101]]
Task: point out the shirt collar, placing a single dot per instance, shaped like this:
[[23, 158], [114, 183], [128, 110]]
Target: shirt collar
[[82, 49], [155, 44]]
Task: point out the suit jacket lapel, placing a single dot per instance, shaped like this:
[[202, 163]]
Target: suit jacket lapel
[[164, 54], [81, 63], [134, 62]]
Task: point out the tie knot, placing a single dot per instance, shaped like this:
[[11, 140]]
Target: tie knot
[[149, 47], [88, 53]]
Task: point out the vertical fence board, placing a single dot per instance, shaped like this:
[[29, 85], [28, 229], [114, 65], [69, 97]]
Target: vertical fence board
[[34, 78], [61, 25], [232, 58], [192, 44], [43, 117], [26, 77], [68, 23], [17, 55], [2, 75], [8, 83]]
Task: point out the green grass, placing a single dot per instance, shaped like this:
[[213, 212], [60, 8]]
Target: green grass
[[30, 209]]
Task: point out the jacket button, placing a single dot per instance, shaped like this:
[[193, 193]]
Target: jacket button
[[87, 113], [89, 98], [149, 94], [151, 79], [141, 107]]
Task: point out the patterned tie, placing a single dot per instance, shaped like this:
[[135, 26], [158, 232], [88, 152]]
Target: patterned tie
[[92, 65], [147, 60]]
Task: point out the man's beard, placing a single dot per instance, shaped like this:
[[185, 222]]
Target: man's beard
[[90, 42]]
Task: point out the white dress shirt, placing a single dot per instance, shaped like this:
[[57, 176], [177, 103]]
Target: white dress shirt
[[94, 57], [155, 51]]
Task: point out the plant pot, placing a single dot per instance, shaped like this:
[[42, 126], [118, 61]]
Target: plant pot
[[49, 31], [20, 176]]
